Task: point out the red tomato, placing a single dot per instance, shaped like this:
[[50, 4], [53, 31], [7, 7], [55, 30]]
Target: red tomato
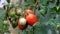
[[22, 27], [31, 19]]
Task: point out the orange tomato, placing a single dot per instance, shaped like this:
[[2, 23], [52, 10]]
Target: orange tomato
[[29, 11]]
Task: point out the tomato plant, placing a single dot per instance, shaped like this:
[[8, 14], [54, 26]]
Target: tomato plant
[[43, 16]]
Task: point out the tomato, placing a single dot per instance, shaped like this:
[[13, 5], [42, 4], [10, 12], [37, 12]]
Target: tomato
[[28, 11], [22, 24], [22, 27], [12, 13], [19, 11], [22, 21], [31, 19], [58, 26], [5, 22]]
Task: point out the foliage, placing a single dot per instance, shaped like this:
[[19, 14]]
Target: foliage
[[49, 16]]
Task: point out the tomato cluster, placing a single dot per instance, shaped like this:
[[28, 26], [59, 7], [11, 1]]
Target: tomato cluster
[[30, 19]]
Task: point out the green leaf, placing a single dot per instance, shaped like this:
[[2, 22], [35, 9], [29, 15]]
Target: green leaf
[[44, 2], [30, 28], [36, 25], [53, 10], [25, 32], [2, 14], [40, 30], [58, 11], [58, 18], [8, 1], [1, 24], [34, 1], [43, 12], [51, 5], [51, 22], [14, 25]]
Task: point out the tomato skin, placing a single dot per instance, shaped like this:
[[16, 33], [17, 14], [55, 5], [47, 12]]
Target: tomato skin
[[31, 19], [22, 27]]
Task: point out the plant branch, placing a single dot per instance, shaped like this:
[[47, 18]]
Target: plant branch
[[7, 15]]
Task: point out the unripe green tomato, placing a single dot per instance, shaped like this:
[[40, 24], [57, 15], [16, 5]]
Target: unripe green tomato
[[12, 13], [19, 11], [58, 26], [5, 22]]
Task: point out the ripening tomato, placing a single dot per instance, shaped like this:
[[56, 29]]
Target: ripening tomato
[[31, 19], [29, 11], [22, 23]]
